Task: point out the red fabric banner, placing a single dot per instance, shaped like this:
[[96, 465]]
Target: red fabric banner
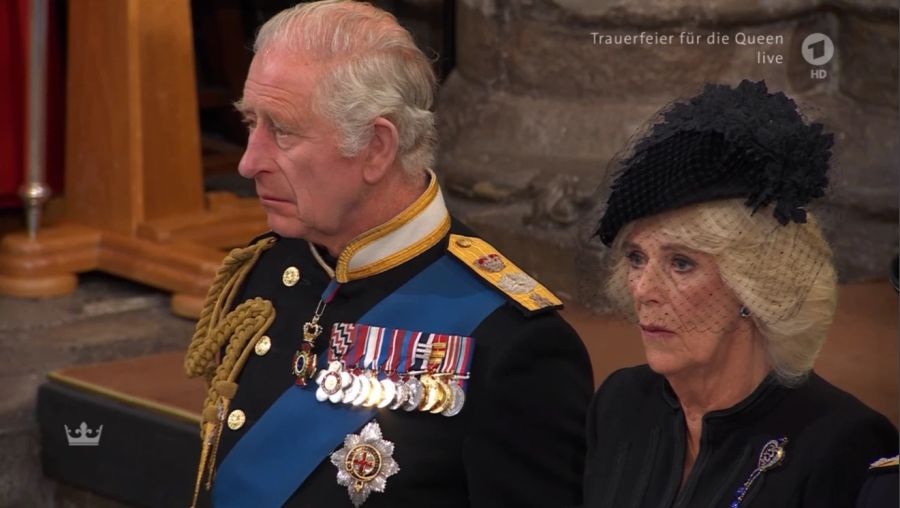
[[15, 25]]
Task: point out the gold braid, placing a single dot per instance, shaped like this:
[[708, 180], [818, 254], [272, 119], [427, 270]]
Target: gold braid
[[200, 357], [240, 328]]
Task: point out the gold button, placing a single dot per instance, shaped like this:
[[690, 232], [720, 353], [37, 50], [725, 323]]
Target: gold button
[[236, 419], [290, 276], [464, 242], [263, 345]]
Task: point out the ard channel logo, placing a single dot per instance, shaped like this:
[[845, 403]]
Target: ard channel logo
[[817, 49]]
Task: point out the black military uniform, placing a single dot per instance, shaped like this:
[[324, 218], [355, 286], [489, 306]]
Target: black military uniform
[[518, 440]]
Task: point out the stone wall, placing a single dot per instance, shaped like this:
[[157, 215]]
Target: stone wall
[[538, 104]]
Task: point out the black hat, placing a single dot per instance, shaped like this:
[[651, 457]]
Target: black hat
[[725, 143]]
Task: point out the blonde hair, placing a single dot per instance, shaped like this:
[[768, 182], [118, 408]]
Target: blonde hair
[[375, 70], [783, 274]]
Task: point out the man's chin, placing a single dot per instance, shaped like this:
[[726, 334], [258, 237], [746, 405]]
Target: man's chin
[[286, 228]]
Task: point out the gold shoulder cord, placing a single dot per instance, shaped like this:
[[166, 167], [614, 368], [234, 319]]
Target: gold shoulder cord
[[241, 329]]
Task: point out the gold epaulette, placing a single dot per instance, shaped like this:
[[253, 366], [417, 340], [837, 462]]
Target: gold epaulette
[[501, 273], [886, 462]]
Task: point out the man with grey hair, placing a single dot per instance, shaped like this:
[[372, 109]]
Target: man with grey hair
[[372, 350]]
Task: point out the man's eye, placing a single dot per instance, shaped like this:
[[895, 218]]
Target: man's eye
[[249, 123]]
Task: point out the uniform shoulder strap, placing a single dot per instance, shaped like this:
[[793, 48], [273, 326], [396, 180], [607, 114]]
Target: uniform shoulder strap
[[483, 259], [885, 462]]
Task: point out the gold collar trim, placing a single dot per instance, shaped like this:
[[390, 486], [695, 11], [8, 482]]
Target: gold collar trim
[[411, 232]]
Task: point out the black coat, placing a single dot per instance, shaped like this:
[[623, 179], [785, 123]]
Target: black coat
[[518, 442], [636, 444]]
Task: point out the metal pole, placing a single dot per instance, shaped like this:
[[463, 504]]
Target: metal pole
[[34, 192]]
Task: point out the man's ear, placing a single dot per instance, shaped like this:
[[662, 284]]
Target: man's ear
[[381, 153]]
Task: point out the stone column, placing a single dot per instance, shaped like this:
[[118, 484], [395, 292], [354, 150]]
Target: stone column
[[542, 97]]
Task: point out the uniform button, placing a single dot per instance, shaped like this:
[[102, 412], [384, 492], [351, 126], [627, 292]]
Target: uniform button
[[236, 419], [263, 345], [464, 242], [290, 276]]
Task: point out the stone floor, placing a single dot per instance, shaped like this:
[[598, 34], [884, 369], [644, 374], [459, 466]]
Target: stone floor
[[109, 318], [106, 318]]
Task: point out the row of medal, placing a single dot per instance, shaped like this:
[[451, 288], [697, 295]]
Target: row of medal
[[377, 367], [428, 393]]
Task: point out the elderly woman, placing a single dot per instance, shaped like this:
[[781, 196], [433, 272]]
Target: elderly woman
[[730, 279]]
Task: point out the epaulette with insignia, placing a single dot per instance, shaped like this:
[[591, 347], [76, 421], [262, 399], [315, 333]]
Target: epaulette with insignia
[[500, 272], [885, 462]]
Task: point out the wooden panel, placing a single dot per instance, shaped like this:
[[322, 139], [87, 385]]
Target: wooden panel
[[103, 115], [59, 250], [178, 267], [132, 138], [170, 393], [169, 115]]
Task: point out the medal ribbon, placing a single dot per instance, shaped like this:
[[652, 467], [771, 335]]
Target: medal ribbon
[[390, 350], [341, 339], [393, 359], [372, 343], [357, 347], [423, 351], [385, 350], [409, 347]]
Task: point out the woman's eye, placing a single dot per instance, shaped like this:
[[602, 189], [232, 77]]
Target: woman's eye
[[682, 264], [635, 259]]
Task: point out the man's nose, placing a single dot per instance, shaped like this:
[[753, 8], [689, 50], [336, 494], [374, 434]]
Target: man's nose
[[257, 154]]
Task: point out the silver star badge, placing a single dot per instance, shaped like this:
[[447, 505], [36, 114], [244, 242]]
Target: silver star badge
[[365, 463]]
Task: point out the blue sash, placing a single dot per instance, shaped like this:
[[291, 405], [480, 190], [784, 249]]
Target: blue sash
[[297, 432]]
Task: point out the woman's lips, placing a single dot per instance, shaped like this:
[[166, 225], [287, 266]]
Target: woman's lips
[[656, 332]]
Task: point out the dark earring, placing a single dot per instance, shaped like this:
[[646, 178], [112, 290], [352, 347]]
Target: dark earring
[[745, 312]]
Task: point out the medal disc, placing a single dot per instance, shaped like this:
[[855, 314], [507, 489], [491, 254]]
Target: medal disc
[[364, 388], [402, 395], [388, 392], [430, 393], [345, 379], [459, 399], [375, 392], [446, 397], [352, 391], [331, 382], [415, 394]]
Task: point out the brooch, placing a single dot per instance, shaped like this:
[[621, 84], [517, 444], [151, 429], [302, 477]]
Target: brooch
[[365, 463], [770, 457]]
